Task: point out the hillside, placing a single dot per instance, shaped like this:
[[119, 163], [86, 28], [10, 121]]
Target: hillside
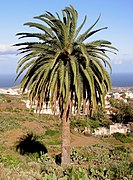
[[16, 121]]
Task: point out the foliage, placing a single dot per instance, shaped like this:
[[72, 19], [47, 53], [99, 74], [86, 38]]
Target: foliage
[[60, 62], [123, 111], [94, 162], [122, 137], [94, 122], [78, 173], [129, 134], [9, 160], [123, 170], [122, 149], [100, 116], [79, 122], [100, 173]]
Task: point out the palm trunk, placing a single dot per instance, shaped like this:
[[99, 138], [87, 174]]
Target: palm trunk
[[65, 146]]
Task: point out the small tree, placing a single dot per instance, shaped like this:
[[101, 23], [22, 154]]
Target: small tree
[[123, 111]]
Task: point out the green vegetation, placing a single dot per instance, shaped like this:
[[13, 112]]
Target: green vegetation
[[111, 161], [9, 160], [98, 119], [122, 137], [52, 132], [60, 66], [81, 122], [94, 162], [7, 122], [123, 112]]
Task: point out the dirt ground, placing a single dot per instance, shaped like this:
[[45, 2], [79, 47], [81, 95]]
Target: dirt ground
[[77, 140]]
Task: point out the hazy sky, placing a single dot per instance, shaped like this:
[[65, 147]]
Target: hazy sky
[[117, 15]]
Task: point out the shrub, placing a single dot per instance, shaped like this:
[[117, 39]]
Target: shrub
[[94, 123], [122, 137], [123, 170], [123, 149], [77, 173], [81, 122], [9, 160], [78, 122]]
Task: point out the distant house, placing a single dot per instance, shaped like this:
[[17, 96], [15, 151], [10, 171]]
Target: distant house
[[129, 94], [11, 91], [117, 127], [116, 95]]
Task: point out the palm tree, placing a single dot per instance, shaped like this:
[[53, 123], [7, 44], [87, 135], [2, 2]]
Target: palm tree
[[63, 69]]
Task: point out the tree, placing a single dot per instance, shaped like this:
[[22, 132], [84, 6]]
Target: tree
[[123, 111], [63, 69]]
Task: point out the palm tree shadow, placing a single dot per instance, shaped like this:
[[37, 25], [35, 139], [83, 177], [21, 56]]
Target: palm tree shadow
[[29, 144]]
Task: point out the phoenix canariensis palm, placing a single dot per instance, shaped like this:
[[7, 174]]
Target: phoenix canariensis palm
[[64, 70]]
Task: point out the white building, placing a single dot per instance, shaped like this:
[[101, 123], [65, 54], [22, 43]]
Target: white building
[[117, 127], [11, 91]]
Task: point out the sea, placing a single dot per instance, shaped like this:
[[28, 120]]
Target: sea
[[8, 81], [117, 79]]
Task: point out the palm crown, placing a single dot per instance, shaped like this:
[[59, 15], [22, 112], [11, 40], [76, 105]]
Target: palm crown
[[61, 66]]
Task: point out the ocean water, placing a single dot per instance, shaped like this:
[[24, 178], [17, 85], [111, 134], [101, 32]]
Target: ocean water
[[117, 79], [8, 80], [122, 79]]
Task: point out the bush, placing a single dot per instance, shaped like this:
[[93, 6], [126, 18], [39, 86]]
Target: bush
[[78, 122], [123, 170], [122, 149], [94, 124], [122, 137], [9, 160], [82, 122]]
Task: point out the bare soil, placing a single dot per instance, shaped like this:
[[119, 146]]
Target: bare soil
[[34, 126], [11, 137], [78, 140]]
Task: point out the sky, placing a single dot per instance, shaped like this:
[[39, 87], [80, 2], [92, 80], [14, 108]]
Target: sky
[[117, 15]]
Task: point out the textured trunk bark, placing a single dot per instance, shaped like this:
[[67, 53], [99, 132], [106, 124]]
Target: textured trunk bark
[[65, 146]]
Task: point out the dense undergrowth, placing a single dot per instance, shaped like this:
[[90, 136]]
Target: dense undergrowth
[[94, 162], [110, 161]]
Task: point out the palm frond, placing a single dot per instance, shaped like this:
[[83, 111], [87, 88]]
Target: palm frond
[[60, 66]]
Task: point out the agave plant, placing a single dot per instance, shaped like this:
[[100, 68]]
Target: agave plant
[[63, 67]]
